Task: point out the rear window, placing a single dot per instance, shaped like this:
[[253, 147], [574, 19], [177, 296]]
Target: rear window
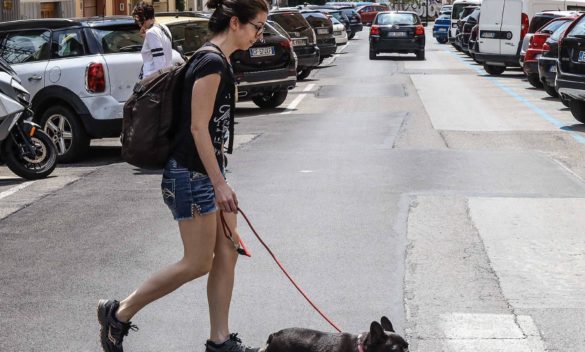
[[559, 31], [396, 18], [317, 19], [290, 21], [119, 39], [349, 12], [537, 22], [552, 26], [189, 36], [579, 28]]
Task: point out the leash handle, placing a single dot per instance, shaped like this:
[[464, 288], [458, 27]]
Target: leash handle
[[282, 268]]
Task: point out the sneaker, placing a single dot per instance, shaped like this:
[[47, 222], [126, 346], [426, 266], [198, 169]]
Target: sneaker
[[112, 330], [233, 344]]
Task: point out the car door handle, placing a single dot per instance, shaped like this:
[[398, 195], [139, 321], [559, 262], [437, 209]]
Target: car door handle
[[35, 78]]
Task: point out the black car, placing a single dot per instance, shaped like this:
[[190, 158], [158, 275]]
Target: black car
[[547, 62], [571, 67], [355, 21], [397, 32], [468, 23], [467, 11], [323, 28], [340, 16], [473, 45], [265, 72], [302, 36]]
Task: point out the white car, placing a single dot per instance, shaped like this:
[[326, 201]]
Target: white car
[[339, 32], [79, 72]]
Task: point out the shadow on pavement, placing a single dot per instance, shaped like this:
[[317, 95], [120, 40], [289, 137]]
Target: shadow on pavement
[[574, 128]]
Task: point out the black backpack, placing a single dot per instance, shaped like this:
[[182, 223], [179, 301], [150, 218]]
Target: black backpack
[[150, 116]]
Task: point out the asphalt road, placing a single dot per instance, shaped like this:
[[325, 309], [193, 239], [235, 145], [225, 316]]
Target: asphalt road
[[426, 191]]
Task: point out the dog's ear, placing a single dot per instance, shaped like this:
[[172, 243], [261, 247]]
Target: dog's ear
[[387, 325], [377, 334]]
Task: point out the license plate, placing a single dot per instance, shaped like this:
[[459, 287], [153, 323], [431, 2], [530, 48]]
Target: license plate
[[581, 56], [259, 52], [337, 33], [454, 25], [353, 21], [322, 30], [396, 34], [442, 29], [488, 35], [299, 42]]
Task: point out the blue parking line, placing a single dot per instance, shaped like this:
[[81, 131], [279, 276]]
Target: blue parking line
[[579, 138]]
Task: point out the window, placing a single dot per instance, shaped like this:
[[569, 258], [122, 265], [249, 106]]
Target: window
[[119, 39], [396, 18], [189, 36], [67, 43], [25, 46], [537, 22], [579, 28], [290, 21], [559, 31], [552, 26]]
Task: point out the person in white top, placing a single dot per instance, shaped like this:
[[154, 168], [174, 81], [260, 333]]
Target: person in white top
[[157, 50]]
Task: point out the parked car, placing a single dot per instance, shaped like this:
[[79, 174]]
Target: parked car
[[571, 68], [446, 9], [548, 61], [303, 39], [323, 28], [355, 21], [368, 12], [397, 32], [339, 15], [502, 32], [79, 72], [474, 43], [470, 14], [441, 28], [535, 49], [339, 32], [537, 22], [457, 12], [265, 72]]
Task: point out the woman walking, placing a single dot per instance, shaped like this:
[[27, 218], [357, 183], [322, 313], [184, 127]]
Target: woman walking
[[194, 185]]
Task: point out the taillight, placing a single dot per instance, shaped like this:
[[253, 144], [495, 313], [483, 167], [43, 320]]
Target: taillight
[[287, 44], [525, 23], [420, 30], [537, 41], [375, 30], [545, 48], [95, 78]]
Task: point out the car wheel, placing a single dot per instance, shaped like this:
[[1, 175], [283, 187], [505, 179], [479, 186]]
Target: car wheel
[[304, 73], [578, 110], [420, 55], [565, 100], [66, 131], [372, 55], [494, 70], [442, 40], [534, 80], [351, 35], [550, 90], [271, 100]]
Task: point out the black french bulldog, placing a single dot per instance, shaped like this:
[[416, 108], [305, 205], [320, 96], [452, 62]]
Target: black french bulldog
[[380, 338]]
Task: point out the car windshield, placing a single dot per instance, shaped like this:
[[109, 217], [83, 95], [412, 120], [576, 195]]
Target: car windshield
[[578, 29], [396, 18], [560, 30], [119, 39], [290, 21]]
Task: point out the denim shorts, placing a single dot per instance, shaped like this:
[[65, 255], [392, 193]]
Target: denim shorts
[[187, 193]]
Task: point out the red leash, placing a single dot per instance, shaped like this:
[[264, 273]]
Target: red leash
[[244, 251]]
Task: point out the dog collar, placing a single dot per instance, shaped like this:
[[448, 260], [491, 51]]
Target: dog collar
[[360, 343]]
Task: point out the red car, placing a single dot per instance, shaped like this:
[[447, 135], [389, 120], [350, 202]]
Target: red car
[[368, 12], [535, 49]]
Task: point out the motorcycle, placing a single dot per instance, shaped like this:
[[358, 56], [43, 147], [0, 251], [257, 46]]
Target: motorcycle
[[25, 148]]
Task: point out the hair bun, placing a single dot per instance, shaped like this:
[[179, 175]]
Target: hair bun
[[213, 4]]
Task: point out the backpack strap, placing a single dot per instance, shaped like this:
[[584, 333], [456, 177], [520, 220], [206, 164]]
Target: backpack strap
[[168, 35]]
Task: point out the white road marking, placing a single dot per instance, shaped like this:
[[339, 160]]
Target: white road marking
[[290, 108], [15, 189]]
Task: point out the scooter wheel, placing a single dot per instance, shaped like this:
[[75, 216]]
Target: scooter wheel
[[31, 167]]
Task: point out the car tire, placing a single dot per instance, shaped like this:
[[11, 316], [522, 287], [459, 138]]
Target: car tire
[[550, 90], [271, 100], [565, 100], [351, 35], [442, 40], [534, 80], [65, 129], [494, 70], [304, 73], [420, 54], [372, 55], [578, 110]]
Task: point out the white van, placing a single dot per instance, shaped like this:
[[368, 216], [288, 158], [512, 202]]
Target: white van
[[456, 10], [504, 23]]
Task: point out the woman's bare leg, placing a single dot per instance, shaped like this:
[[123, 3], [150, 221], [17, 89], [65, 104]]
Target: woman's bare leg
[[199, 237], [220, 283]]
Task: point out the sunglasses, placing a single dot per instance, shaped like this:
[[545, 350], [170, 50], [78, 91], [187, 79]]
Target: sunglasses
[[259, 28]]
